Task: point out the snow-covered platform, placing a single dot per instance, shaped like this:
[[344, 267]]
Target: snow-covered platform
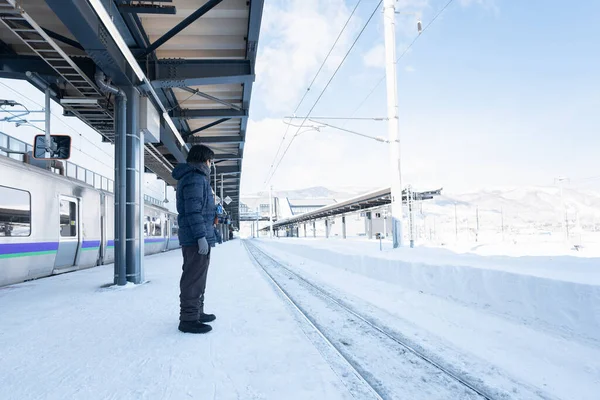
[[67, 337]]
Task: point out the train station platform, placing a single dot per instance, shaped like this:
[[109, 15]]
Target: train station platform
[[68, 337]]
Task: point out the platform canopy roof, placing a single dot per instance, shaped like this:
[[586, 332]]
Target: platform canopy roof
[[193, 58], [367, 201]]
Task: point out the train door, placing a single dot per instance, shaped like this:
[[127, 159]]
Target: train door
[[68, 237], [103, 239]]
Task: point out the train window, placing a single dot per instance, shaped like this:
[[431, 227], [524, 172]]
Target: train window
[[68, 218], [89, 177], [19, 146], [3, 143], [147, 224], [15, 212], [152, 226], [71, 170], [157, 227], [174, 230]]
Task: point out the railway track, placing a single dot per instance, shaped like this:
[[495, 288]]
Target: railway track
[[381, 363]]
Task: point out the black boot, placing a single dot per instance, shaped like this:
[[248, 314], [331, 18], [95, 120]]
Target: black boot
[[206, 318], [194, 327]]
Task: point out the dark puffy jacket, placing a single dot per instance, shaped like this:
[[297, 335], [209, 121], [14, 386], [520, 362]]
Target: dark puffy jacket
[[195, 204]]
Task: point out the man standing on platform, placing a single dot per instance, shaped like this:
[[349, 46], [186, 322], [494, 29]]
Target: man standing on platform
[[196, 208]]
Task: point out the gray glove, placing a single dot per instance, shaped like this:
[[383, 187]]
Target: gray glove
[[202, 246]]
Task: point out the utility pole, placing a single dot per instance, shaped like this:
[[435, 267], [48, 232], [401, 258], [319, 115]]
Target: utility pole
[[566, 225], [222, 201], [389, 21], [411, 228], [223, 227], [564, 222], [385, 214], [477, 232], [271, 212], [257, 222], [47, 124], [502, 221], [456, 222]]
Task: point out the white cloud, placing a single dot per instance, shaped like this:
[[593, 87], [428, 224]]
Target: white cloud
[[326, 158], [375, 57], [295, 38]]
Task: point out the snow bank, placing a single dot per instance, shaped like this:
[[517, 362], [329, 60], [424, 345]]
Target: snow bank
[[561, 294]]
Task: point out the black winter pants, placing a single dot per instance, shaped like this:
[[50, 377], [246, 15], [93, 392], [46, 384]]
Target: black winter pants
[[193, 283]]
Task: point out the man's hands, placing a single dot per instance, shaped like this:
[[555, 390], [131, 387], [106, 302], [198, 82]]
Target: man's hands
[[202, 246]]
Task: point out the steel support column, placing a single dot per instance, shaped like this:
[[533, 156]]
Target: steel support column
[[140, 226], [344, 226], [135, 238], [120, 185], [314, 228], [327, 228], [370, 225], [120, 277]]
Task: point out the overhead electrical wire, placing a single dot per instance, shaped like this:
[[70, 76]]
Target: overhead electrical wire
[[326, 86], [311, 84], [403, 54], [346, 118], [62, 122], [20, 120], [353, 132]]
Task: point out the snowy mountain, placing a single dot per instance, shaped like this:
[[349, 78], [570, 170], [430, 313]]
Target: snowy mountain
[[535, 207]]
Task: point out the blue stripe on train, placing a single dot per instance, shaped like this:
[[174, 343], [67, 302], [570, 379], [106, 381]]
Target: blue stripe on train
[[12, 248], [32, 247], [90, 244]]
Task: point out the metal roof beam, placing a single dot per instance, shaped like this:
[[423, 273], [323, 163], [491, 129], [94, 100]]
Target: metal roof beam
[[207, 126], [182, 25], [63, 39], [83, 23], [202, 114], [171, 143], [227, 157], [254, 21], [214, 139], [6, 49], [182, 73], [147, 9], [223, 170], [209, 97]]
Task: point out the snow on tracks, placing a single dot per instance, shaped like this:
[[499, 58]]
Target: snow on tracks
[[388, 366]]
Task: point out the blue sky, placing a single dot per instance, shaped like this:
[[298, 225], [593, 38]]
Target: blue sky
[[494, 93]]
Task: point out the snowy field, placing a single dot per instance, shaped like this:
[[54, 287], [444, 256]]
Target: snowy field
[[65, 337], [522, 325]]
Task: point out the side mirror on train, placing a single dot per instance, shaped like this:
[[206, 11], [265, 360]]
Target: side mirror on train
[[60, 147]]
